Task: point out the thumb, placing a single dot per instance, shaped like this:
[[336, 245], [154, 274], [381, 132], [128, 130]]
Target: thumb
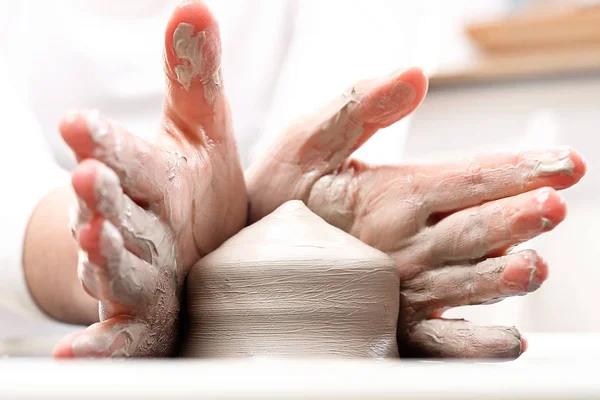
[[195, 105]]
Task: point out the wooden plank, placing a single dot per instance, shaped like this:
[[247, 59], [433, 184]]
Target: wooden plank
[[522, 65], [543, 29]]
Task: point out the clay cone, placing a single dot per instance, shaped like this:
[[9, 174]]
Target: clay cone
[[291, 285]]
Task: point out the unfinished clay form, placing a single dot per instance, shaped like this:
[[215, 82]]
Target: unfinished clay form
[[292, 285]]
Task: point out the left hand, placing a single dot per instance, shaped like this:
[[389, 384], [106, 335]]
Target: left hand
[[448, 226], [150, 211]]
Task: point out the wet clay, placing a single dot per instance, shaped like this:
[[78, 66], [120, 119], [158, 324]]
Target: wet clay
[[292, 285], [196, 60]]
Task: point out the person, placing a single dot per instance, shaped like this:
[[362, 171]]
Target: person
[[147, 204]]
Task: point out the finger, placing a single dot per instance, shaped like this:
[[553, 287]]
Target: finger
[[448, 338], [133, 159], [324, 139], [64, 349], [473, 233], [100, 192], [195, 104], [452, 186], [488, 281], [109, 272], [123, 336]]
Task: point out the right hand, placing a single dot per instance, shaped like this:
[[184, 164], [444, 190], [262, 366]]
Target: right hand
[[447, 226]]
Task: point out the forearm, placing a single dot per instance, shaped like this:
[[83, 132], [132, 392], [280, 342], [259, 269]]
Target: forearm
[[50, 262]]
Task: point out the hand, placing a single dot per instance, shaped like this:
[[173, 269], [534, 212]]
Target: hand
[[448, 226], [149, 212]]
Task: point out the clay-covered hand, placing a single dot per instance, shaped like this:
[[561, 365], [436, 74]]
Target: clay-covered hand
[[149, 212], [448, 226]]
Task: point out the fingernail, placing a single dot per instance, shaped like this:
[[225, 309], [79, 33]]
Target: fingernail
[[538, 272], [96, 344], [542, 195], [96, 125], [85, 272], [78, 214], [71, 116], [583, 162], [526, 273], [90, 345], [524, 345], [63, 348], [551, 161], [108, 193], [524, 278], [551, 209]]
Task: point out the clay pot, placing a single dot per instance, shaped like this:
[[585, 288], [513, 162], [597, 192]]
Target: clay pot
[[291, 285]]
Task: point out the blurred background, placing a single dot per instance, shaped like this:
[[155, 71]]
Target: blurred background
[[504, 74]]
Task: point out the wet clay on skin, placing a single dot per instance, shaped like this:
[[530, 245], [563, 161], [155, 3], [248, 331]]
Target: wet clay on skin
[[189, 47], [292, 285], [142, 268], [137, 283]]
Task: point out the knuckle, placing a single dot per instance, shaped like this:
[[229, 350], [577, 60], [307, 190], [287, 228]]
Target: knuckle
[[335, 198], [475, 174]]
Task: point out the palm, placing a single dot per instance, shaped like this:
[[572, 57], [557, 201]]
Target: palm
[[204, 198]]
